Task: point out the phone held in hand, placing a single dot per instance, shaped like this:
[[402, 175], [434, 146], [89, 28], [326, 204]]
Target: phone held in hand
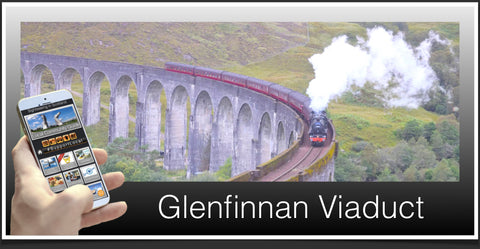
[[60, 145]]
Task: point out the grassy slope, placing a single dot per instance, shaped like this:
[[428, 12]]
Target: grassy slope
[[353, 123], [292, 68], [374, 125], [154, 43], [273, 51]]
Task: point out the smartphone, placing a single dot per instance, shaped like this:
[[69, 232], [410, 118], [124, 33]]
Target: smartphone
[[60, 144]]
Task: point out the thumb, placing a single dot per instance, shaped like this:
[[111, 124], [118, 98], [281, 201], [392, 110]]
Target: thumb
[[78, 197], [23, 161], [27, 173]]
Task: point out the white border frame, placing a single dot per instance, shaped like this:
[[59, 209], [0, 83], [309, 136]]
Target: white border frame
[[6, 6]]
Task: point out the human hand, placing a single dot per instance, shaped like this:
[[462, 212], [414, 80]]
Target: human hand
[[36, 210]]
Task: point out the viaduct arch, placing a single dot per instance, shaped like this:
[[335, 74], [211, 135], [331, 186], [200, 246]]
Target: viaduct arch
[[226, 121]]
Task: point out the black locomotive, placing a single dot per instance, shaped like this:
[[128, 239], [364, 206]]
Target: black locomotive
[[318, 128]]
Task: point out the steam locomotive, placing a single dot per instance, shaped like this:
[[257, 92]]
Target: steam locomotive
[[318, 128], [299, 102]]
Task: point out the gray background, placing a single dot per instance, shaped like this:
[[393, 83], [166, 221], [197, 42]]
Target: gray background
[[465, 15]]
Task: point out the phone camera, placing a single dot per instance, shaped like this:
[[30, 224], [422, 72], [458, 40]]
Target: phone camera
[[44, 98]]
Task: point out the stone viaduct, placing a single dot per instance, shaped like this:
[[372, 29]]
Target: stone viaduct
[[225, 121]]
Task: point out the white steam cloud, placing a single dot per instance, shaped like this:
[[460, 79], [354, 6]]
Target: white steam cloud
[[385, 60]]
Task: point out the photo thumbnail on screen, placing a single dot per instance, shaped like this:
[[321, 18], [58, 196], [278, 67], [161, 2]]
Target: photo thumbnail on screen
[[52, 122]]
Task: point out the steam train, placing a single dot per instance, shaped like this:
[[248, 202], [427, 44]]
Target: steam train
[[299, 102], [318, 128]]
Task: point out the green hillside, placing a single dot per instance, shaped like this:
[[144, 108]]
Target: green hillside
[[206, 44]]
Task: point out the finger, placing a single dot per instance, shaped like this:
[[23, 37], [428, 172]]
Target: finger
[[103, 214], [79, 197], [23, 160], [113, 180], [100, 155]]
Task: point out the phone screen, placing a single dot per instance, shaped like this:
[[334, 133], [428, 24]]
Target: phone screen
[[61, 147]]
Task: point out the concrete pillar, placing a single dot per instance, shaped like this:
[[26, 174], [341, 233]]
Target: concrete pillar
[[140, 113], [111, 119], [151, 125], [176, 146], [222, 135], [33, 81], [291, 139], [192, 164], [27, 75], [200, 136], [281, 143], [243, 142], [29, 88], [176, 131], [214, 151], [91, 97], [64, 80], [149, 117], [264, 152], [119, 115], [140, 126], [166, 156]]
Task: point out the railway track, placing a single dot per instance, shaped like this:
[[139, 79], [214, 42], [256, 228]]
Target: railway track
[[301, 160], [308, 159], [304, 157], [287, 171]]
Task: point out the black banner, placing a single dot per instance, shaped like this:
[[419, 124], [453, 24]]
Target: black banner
[[447, 209]]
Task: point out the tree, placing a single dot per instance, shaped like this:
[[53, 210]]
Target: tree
[[437, 145], [428, 130], [124, 147], [403, 156], [136, 165], [455, 168], [387, 176], [369, 160], [204, 177], [347, 169], [411, 174], [423, 157], [428, 175], [359, 146], [437, 103], [449, 132], [412, 129], [422, 141], [442, 172], [456, 152], [225, 171]]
